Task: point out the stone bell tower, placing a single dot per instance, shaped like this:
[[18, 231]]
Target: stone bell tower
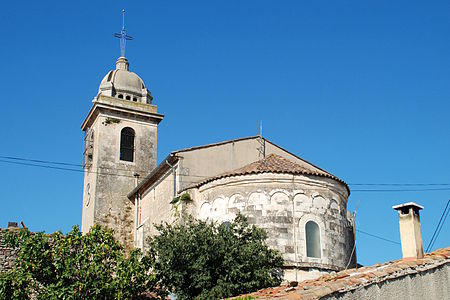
[[119, 145]]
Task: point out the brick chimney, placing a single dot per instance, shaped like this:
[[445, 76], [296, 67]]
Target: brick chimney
[[12, 225], [410, 234]]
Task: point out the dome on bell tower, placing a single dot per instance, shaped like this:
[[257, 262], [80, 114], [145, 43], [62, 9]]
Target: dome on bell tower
[[123, 84]]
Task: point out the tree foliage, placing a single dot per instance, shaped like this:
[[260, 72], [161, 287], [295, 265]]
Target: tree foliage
[[204, 260], [74, 266]]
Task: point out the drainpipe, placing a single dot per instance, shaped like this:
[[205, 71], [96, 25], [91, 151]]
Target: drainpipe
[[136, 204], [293, 229]]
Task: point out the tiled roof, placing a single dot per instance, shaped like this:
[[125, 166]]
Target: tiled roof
[[272, 164], [353, 279]]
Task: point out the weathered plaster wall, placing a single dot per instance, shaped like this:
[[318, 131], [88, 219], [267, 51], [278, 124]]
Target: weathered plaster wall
[[7, 255], [155, 204], [111, 179], [266, 199], [431, 284]]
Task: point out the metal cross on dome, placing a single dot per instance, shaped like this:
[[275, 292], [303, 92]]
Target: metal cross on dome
[[123, 36]]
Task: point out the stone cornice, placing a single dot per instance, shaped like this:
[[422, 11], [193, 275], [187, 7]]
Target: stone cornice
[[105, 103]]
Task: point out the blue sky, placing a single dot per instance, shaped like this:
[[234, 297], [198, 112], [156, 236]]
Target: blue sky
[[359, 88]]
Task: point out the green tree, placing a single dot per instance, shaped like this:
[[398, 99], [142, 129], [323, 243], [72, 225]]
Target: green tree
[[74, 266], [204, 260]]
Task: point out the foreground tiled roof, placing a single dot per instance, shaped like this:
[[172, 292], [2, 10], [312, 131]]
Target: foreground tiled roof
[[272, 164], [353, 279]]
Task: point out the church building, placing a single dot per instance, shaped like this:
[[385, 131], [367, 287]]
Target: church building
[[302, 207]]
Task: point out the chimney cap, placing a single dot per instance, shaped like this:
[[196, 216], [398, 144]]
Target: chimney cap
[[408, 205]]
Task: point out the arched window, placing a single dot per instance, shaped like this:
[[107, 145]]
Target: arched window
[[128, 97], [120, 96], [127, 144], [312, 239]]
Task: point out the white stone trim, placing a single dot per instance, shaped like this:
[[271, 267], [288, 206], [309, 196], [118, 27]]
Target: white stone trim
[[119, 139], [302, 237]]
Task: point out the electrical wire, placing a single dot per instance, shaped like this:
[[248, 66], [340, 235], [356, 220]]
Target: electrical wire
[[401, 190], [62, 163], [48, 165], [378, 237], [61, 168], [438, 227], [41, 166], [41, 161], [442, 225]]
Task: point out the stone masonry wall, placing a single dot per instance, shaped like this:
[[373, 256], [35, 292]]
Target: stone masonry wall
[[7, 255], [266, 199]]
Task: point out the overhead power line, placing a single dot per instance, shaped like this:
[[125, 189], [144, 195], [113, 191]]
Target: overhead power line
[[41, 166], [439, 226], [401, 190], [45, 163], [378, 237], [56, 165], [41, 161], [62, 168]]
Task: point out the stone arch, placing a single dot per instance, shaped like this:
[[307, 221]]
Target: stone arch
[[320, 202], [219, 208], [279, 197], [256, 201], [315, 194], [279, 204], [302, 238], [313, 243], [302, 202], [334, 207], [236, 203], [205, 211]]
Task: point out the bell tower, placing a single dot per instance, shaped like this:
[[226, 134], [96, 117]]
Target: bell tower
[[119, 146]]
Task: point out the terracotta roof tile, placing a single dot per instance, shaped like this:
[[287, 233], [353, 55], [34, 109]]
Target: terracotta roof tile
[[272, 164], [353, 279]]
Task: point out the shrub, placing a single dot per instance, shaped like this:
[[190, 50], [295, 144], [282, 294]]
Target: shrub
[[205, 260], [75, 266]]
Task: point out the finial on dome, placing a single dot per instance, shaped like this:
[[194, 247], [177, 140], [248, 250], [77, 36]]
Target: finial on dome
[[122, 63], [123, 36]]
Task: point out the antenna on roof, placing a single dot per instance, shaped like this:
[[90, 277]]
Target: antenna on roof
[[260, 129], [262, 142], [123, 36]]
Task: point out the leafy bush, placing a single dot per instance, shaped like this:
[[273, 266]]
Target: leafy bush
[[75, 266], [204, 260]]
